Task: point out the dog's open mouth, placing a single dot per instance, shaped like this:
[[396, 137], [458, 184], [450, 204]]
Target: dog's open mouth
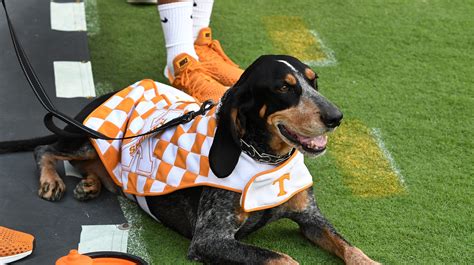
[[313, 145]]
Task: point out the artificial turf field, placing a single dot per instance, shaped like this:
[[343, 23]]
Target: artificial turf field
[[402, 73]]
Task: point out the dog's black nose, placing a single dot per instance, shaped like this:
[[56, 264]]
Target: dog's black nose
[[332, 119]]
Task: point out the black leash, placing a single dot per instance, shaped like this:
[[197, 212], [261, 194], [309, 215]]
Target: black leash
[[40, 93]]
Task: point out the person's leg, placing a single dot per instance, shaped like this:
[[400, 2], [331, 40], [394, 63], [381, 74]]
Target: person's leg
[[210, 52], [177, 23], [184, 70], [202, 10]]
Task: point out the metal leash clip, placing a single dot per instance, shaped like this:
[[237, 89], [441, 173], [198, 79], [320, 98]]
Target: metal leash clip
[[205, 106]]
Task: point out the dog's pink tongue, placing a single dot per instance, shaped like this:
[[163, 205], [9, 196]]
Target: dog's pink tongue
[[318, 141]]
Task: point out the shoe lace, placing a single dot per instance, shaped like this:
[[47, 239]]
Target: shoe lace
[[190, 77], [215, 46]]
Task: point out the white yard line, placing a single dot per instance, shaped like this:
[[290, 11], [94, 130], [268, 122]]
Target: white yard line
[[331, 58], [103, 238], [102, 88], [378, 138], [74, 79], [136, 241], [92, 15], [68, 16]]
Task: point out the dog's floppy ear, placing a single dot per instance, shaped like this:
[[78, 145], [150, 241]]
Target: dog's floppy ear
[[225, 150]]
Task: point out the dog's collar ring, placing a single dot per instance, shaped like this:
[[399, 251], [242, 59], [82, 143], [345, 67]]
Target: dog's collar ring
[[264, 157]]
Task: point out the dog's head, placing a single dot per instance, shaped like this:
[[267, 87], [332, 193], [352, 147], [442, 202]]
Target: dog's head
[[276, 106]]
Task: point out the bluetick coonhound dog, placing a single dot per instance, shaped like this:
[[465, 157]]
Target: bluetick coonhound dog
[[274, 107]]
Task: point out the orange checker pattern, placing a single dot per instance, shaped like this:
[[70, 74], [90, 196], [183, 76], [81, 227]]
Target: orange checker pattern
[[160, 164]]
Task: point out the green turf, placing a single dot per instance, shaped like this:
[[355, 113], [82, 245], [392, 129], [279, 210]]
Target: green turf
[[405, 67]]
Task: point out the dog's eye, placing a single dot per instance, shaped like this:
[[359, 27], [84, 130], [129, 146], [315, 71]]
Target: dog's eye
[[283, 89]]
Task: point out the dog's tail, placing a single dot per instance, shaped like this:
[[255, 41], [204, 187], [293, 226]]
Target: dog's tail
[[26, 145]]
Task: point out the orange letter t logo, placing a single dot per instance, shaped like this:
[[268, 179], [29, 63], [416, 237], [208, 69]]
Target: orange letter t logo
[[280, 181]]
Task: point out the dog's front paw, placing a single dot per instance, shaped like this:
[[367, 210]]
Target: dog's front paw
[[282, 260], [88, 188], [355, 256], [51, 189]]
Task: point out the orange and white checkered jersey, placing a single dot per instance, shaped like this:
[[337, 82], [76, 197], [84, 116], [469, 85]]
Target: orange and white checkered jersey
[[178, 157]]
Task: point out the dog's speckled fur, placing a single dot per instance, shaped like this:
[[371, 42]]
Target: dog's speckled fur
[[273, 91]]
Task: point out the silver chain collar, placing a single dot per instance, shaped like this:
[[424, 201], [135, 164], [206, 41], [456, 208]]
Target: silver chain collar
[[264, 157]]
